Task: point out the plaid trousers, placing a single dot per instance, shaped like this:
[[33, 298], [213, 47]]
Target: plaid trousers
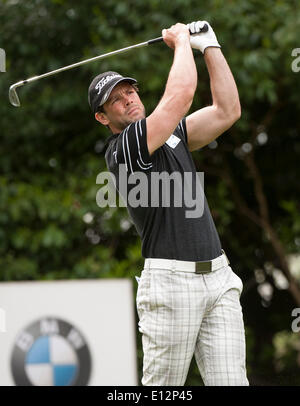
[[184, 314]]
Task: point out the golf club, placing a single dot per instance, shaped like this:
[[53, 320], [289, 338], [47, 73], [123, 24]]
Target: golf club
[[13, 96]]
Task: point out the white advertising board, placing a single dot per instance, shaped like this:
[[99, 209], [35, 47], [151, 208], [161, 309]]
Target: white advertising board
[[76, 332]]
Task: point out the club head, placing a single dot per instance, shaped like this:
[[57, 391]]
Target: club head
[[13, 96]]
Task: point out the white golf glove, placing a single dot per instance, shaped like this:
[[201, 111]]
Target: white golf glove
[[204, 39]]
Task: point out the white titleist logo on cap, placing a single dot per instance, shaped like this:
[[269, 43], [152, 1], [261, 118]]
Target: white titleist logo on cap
[[104, 80]]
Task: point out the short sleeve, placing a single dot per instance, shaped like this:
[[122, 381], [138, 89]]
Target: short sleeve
[[181, 130], [130, 148]]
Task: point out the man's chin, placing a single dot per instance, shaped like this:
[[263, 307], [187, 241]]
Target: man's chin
[[137, 115]]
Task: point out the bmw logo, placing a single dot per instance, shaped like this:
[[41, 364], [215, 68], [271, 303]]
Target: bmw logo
[[50, 352]]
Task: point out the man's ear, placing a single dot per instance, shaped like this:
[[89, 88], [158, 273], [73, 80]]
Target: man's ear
[[101, 117]]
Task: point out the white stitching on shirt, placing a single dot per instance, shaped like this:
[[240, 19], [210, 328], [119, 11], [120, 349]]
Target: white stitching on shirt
[[181, 126], [129, 155], [139, 151], [124, 152]]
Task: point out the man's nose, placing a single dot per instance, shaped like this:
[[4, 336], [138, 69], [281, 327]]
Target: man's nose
[[128, 100]]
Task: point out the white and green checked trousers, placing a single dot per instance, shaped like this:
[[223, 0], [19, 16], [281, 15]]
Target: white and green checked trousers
[[182, 314]]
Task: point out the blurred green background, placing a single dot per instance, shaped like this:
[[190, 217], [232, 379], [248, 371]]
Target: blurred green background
[[51, 151]]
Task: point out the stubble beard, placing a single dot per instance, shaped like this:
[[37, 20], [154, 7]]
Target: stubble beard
[[122, 124]]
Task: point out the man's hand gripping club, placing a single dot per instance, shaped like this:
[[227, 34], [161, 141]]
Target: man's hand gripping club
[[202, 40]]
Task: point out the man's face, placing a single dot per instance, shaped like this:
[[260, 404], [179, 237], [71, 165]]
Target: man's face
[[122, 108]]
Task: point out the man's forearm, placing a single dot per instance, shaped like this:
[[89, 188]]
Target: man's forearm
[[183, 73], [223, 87]]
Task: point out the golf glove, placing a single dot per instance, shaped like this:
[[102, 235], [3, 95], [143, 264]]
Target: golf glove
[[203, 40]]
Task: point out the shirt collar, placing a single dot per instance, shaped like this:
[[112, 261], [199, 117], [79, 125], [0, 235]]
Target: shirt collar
[[112, 137], [109, 139]]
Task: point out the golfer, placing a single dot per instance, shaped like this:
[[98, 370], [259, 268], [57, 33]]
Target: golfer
[[188, 298]]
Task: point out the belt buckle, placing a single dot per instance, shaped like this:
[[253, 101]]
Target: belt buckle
[[203, 267]]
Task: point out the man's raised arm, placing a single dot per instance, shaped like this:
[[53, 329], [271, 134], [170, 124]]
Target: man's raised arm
[[179, 91], [206, 124]]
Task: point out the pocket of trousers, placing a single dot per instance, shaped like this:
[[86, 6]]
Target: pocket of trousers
[[237, 281], [142, 295]]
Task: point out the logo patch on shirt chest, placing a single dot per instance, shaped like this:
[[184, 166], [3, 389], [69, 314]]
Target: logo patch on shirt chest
[[173, 141]]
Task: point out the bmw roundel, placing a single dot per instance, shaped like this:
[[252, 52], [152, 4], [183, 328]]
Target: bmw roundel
[[50, 352]]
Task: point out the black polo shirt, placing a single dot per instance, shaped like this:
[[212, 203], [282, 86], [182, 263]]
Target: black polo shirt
[[169, 227]]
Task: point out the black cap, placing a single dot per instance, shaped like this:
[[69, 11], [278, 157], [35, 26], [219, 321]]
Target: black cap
[[101, 88]]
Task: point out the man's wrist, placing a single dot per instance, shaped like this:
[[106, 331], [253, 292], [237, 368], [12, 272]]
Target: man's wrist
[[211, 50], [182, 40]]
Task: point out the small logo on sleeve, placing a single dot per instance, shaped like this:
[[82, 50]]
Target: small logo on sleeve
[[173, 141]]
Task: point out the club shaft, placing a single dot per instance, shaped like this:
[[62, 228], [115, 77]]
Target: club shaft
[[74, 65], [119, 51], [13, 97]]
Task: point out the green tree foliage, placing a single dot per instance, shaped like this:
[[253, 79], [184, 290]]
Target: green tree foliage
[[51, 151]]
